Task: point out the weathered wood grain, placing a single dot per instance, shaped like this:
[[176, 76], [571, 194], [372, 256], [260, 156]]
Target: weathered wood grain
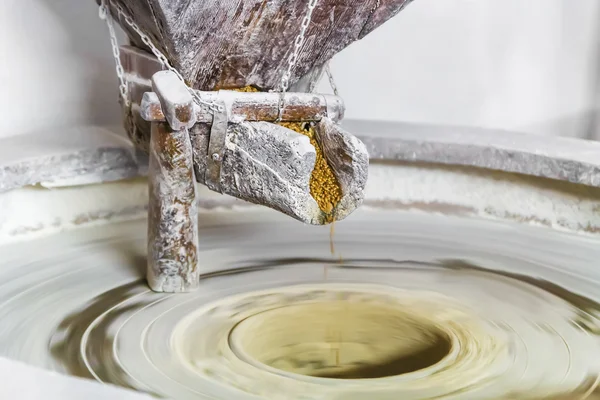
[[176, 101], [172, 212], [232, 43], [256, 106]]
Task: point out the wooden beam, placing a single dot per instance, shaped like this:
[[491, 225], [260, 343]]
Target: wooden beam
[[256, 106]]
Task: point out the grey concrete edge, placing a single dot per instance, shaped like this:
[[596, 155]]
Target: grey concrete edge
[[73, 157], [90, 155], [559, 158]]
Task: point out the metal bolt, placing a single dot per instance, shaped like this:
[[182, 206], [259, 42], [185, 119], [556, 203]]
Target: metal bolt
[[216, 157]]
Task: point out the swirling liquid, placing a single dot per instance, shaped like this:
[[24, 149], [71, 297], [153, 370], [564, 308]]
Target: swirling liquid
[[428, 307]]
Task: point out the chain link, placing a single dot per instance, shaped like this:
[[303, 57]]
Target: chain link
[[105, 14], [293, 58], [331, 81]]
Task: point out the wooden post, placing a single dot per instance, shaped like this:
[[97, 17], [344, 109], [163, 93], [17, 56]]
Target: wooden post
[[172, 209], [235, 43], [172, 212]]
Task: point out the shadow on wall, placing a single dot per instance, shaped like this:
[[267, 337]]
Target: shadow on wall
[[89, 41]]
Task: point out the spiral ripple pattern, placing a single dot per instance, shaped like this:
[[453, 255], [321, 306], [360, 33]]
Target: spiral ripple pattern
[[411, 306]]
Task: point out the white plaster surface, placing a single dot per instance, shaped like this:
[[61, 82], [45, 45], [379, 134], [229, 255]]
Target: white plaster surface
[[34, 211], [529, 66], [31, 212], [486, 194]]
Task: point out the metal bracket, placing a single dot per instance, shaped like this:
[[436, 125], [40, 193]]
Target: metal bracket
[[216, 146]]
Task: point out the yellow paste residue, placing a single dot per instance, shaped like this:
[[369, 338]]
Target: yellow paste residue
[[324, 186], [247, 89]]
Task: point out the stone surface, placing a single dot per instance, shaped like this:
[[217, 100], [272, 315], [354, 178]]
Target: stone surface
[[564, 159], [74, 156]]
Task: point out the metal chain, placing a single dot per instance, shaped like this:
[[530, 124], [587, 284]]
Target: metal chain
[[105, 14], [293, 58], [331, 81]]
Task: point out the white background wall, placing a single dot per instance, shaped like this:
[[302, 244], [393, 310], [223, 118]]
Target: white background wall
[[527, 65], [56, 66]]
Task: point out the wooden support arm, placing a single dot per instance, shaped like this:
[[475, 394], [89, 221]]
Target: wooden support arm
[[251, 106]]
